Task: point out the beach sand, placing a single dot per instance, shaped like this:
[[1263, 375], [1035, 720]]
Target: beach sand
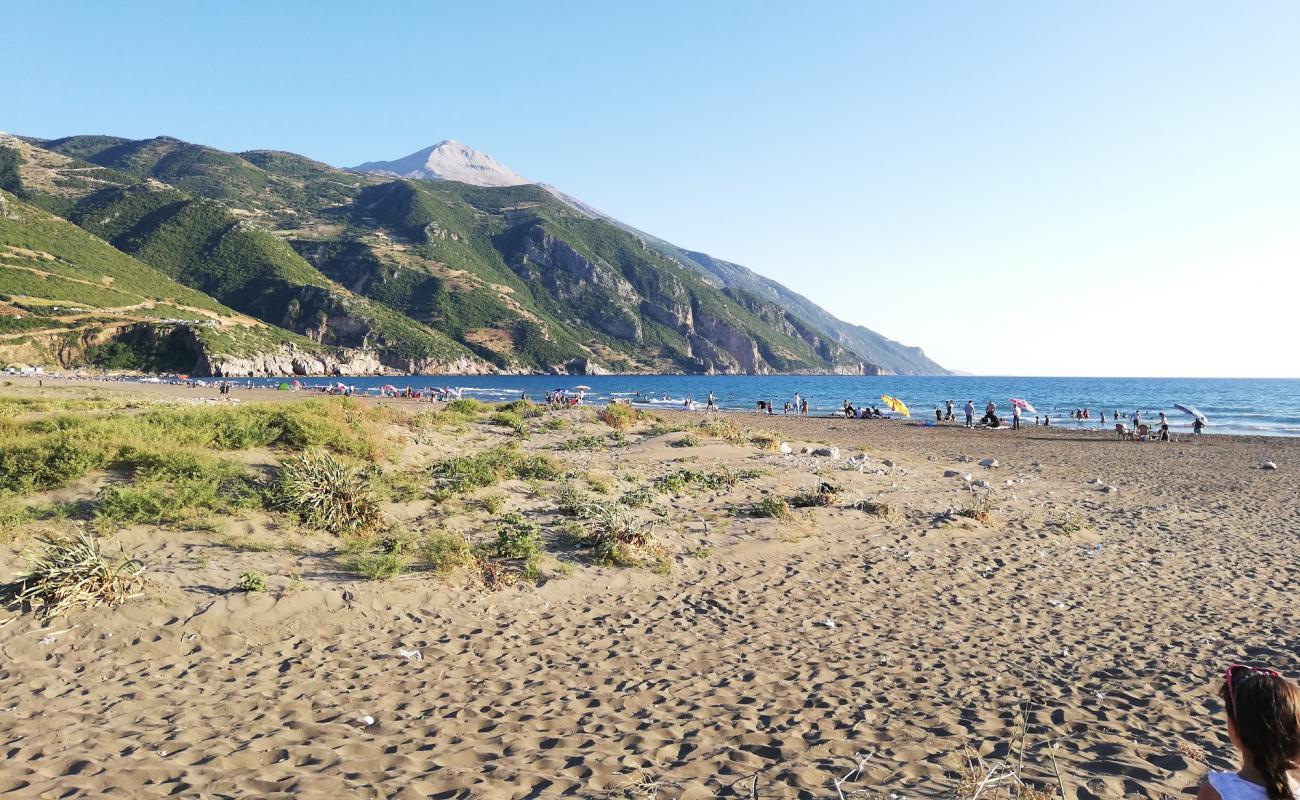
[[770, 661]]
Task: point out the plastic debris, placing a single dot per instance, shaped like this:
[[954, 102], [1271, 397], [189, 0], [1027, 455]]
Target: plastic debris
[[410, 655]]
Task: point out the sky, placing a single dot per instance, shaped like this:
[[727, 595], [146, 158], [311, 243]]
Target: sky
[[1019, 188]]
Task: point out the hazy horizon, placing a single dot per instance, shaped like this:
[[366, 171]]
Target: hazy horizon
[[1107, 191]]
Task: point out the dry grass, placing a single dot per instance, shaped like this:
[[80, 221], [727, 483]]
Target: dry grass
[[72, 572], [876, 508], [980, 509]]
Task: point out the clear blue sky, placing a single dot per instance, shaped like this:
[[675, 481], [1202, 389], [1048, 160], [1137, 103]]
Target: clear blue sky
[[1019, 188]]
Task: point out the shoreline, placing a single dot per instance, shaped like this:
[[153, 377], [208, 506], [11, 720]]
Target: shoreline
[[749, 417]]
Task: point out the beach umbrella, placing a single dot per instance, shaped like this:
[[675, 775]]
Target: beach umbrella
[[1192, 410], [295, 383], [583, 388], [1023, 405], [895, 405], [388, 387]]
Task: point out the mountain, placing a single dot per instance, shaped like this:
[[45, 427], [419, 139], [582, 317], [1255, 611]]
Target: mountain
[[457, 162], [448, 161], [70, 299], [348, 272]]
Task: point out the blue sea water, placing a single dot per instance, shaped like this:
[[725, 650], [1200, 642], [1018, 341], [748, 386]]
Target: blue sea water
[[1239, 406]]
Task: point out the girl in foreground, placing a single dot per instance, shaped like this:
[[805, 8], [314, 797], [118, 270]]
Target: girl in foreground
[[1264, 725]]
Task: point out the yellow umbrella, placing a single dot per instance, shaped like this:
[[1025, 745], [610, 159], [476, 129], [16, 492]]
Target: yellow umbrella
[[895, 405]]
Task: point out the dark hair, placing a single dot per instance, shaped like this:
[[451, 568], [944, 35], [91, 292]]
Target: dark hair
[[1265, 709]]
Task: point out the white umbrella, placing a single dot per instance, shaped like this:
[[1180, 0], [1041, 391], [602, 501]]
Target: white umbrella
[[1193, 411]]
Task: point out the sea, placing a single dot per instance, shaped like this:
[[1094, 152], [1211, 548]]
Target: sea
[[1265, 407]]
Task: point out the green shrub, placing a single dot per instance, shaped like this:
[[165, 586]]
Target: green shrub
[[689, 440], [467, 406], [327, 494], [773, 507], [720, 428], [517, 537], [579, 443], [377, 566], [511, 420], [32, 465], [251, 582], [480, 470], [445, 552], [524, 408], [619, 416], [555, 424], [492, 503], [686, 479]]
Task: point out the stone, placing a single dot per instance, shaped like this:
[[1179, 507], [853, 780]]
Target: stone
[[951, 473], [886, 463], [982, 485], [989, 463], [1268, 465], [786, 449], [827, 452]]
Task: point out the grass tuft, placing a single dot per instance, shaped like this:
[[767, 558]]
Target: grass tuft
[[72, 572], [327, 494]]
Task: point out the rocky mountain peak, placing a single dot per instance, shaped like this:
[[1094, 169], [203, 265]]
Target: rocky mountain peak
[[448, 160]]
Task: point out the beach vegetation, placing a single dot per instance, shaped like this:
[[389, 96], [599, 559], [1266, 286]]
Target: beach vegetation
[[526, 409], [467, 406], [72, 571], [875, 508], [687, 479], [720, 428], [517, 547], [446, 551], [979, 508], [492, 503], [765, 440], [251, 582], [619, 416], [686, 440], [377, 566], [773, 507], [487, 468], [584, 443], [823, 496], [328, 494], [662, 427], [511, 420], [555, 424]]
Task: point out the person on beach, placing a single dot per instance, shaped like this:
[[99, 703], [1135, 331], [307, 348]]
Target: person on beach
[[771, 409], [948, 413], [1163, 421], [1015, 418], [1197, 425], [713, 404], [1137, 419], [803, 407], [970, 413], [938, 415], [786, 409], [1263, 711]]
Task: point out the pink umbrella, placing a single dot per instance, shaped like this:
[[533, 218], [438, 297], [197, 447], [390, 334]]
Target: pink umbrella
[[1023, 405], [388, 387]]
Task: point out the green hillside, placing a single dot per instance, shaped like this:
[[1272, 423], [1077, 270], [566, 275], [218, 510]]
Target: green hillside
[[68, 298], [214, 244], [421, 273]]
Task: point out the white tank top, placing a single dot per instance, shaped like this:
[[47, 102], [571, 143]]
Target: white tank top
[[1232, 786]]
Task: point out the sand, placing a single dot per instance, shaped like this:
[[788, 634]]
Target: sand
[[771, 660]]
